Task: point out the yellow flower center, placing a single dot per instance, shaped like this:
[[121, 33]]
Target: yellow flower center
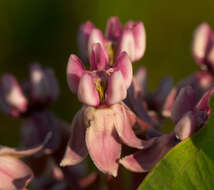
[[101, 87], [110, 51]]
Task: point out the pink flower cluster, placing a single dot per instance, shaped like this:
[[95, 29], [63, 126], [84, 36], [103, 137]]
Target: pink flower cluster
[[120, 120], [104, 121]]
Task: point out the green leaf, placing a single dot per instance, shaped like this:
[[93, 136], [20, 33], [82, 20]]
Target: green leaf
[[189, 165]]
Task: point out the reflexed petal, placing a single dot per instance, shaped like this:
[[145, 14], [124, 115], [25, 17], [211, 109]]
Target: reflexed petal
[[102, 140], [169, 102], [83, 37], [127, 44], [13, 100], [97, 58], [131, 116], [7, 151], [201, 41], [116, 90], [124, 64], [87, 92], [124, 129], [113, 29], [203, 104], [184, 102], [144, 160], [186, 126], [75, 70], [76, 149], [140, 40], [96, 36], [14, 174]]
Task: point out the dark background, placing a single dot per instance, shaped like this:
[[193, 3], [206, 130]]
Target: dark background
[[46, 30]]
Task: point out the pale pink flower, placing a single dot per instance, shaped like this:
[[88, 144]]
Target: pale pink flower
[[103, 84], [14, 173], [21, 99], [188, 116], [99, 132], [131, 38]]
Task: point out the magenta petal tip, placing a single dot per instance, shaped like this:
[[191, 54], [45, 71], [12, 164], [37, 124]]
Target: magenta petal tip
[[113, 28], [75, 70]]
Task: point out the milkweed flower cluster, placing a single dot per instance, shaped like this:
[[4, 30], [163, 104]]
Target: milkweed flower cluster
[[104, 121], [119, 122]]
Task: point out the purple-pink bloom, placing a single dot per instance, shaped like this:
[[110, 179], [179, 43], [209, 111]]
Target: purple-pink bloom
[[104, 83], [14, 173], [188, 116], [30, 100], [131, 38], [21, 99], [12, 98], [99, 132]]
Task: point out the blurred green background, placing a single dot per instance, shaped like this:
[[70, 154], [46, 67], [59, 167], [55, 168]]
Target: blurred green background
[[46, 30]]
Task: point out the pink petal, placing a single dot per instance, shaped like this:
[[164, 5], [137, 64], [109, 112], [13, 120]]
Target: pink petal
[[97, 58], [144, 160], [169, 102], [83, 37], [113, 29], [76, 150], [87, 92], [14, 174], [116, 89], [201, 41], [12, 98], [127, 44], [102, 140], [211, 56], [124, 64], [75, 70], [96, 36], [124, 126], [186, 126], [140, 40], [6, 151], [184, 102], [203, 104]]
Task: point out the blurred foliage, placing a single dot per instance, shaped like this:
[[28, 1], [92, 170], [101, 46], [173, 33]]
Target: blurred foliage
[[45, 31]]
